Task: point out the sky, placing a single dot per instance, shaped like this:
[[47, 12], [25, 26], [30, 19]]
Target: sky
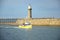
[[40, 8]]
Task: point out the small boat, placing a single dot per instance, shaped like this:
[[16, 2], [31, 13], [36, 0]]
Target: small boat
[[26, 26]]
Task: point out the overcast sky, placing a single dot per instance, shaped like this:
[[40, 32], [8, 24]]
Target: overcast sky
[[40, 8]]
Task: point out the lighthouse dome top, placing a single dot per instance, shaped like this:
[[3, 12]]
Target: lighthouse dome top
[[29, 7]]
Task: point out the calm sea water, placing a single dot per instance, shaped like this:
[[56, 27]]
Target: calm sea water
[[36, 33]]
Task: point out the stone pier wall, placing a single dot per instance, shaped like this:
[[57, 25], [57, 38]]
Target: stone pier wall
[[34, 21], [40, 21]]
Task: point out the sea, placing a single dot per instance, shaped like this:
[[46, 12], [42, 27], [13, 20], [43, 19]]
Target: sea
[[8, 32]]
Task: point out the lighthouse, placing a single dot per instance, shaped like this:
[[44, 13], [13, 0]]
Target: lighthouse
[[29, 12]]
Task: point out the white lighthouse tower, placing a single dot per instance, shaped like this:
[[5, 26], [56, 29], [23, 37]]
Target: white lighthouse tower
[[29, 12]]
